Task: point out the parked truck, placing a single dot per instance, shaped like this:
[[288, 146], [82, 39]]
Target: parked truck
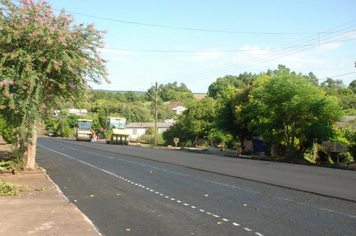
[[116, 132], [83, 132]]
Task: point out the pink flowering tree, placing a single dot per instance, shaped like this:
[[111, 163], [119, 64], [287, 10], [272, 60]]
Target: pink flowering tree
[[45, 61]]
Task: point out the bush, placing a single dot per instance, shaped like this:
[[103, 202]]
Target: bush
[[150, 138], [7, 131], [67, 132], [345, 157]]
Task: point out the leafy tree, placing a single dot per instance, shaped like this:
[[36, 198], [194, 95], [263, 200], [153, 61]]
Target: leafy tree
[[347, 98], [195, 122], [225, 119], [352, 86], [246, 78], [135, 112], [95, 95], [170, 92], [221, 84], [312, 79], [120, 97], [72, 120], [95, 125], [290, 110], [45, 60], [334, 84], [244, 115], [6, 131], [131, 96]]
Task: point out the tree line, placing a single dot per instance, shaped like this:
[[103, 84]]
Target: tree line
[[48, 60], [291, 112]]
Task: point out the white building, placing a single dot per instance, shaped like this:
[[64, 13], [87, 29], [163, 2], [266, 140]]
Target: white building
[[138, 129], [79, 112], [178, 110]]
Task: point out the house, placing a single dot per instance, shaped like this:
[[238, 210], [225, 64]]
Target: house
[[175, 104], [79, 112], [138, 129], [178, 110], [177, 107]]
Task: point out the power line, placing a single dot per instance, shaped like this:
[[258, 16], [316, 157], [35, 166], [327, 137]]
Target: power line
[[252, 60], [185, 28], [335, 76]]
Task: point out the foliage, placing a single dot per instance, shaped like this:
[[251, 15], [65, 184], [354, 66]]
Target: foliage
[[9, 189], [45, 61], [244, 114], [293, 111], [7, 131], [170, 92], [131, 96], [349, 132], [95, 125], [221, 84], [67, 132], [226, 128], [352, 86], [313, 155], [150, 138], [72, 120], [15, 161], [195, 122]]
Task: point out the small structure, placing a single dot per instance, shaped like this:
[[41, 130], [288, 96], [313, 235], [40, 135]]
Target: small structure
[[177, 107], [334, 147], [79, 112], [178, 110]]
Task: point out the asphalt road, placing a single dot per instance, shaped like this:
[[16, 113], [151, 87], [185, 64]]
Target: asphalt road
[[129, 190]]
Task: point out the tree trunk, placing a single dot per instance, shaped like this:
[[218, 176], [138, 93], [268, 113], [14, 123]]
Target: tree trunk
[[31, 153]]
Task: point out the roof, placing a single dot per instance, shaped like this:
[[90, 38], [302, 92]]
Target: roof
[[146, 125], [175, 104]]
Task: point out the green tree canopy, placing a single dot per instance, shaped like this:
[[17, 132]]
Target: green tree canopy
[[45, 60], [170, 92], [352, 86], [195, 122], [290, 109]]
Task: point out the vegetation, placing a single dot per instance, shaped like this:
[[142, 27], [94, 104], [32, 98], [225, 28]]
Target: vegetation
[[45, 61], [291, 112], [8, 189]]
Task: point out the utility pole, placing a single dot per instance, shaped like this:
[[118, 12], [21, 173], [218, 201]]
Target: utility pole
[[156, 112]]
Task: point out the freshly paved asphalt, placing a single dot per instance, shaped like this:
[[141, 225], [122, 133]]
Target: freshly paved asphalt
[[133, 190]]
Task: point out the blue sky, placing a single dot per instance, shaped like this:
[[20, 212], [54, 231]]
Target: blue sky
[[194, 42]]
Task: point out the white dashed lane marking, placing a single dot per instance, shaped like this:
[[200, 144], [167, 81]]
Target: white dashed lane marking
[[151, 190]]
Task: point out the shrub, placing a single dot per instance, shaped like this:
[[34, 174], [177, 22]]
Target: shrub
[[7, 131], [67, 132]]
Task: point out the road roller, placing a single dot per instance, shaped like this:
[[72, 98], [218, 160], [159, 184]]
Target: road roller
[[116, 132], [83, 132]]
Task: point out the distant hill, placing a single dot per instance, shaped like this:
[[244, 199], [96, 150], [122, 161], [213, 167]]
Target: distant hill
[[138, 93]]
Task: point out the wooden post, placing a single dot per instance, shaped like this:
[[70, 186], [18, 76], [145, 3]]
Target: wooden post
[[156, 112]]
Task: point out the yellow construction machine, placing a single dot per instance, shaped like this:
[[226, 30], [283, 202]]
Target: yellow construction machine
[[116, 132], [83, 132]]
